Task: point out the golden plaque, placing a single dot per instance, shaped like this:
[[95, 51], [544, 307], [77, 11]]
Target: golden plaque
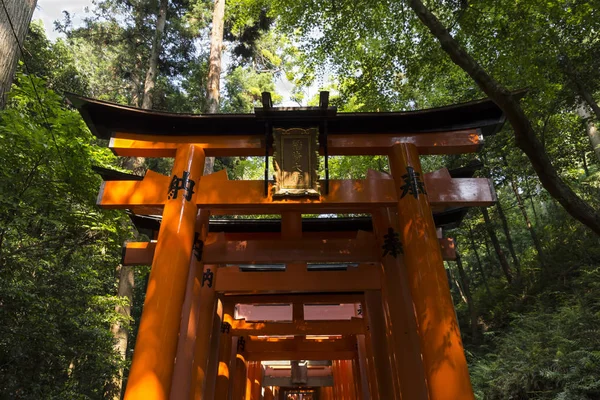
[[296, 161]]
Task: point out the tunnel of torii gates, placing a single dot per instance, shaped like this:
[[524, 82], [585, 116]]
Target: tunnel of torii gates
[[296, 308]]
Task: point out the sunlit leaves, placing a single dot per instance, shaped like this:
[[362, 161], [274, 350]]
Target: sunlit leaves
[[58, 252]]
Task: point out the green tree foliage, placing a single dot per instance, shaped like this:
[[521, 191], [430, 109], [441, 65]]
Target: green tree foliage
[[382, 54], [121, 34], [247, 24], [551, 351], [58, 252], [535, 333], [243, 88], [57, 61]]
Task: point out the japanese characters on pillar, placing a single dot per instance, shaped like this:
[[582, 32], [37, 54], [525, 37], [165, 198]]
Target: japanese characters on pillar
[[392, 244], [403, 341], [443, 354], [413, 183], [225, 327], [150, 376], [198, 246], [207, 277], [241, 344], [184, 183]]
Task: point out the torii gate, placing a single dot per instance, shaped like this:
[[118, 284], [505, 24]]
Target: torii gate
[[407, 345]]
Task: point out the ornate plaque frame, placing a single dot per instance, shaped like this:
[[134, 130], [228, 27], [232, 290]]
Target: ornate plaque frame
[[296, 162]]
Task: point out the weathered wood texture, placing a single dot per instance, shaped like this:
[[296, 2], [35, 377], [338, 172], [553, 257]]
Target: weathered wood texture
[[19, 14]]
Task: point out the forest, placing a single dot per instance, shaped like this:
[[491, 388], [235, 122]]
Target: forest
[[526, 285]]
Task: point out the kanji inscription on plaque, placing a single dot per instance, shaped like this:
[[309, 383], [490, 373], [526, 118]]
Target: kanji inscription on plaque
[[296, 161]]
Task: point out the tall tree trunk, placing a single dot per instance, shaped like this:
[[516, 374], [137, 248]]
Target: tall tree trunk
[[535, 214], [460, 291], [594, 136], [150, 82], [582, 90], [467, 293], [17, 13], [120, 329], [525, 136], [487, 248], [585, 166], [509, 241], [135, 96], [591, 128], [453, 282], [496, 244], [582, 110], [214, 68], [536, 241], [136, 164], [479, 265]]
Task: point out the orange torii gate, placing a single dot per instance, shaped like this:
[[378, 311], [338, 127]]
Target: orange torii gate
[[190, 343]]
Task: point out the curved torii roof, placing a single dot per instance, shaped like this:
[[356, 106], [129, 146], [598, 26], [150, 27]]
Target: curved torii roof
[[104, 118]]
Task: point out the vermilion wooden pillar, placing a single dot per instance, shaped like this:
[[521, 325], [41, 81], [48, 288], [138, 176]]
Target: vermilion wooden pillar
[[443, 355], [367, 370], [343, 380], [239, 382], [349, 379], [257, 384], [400, 312], [250, 377], [152, 367], [367, 341], [393, 356], [357, 380], [209, 311], [326, 393], [269, 395], [223, 373], [337, 389], [182, 374], [213, 358], [341, 373], [377, 338]]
